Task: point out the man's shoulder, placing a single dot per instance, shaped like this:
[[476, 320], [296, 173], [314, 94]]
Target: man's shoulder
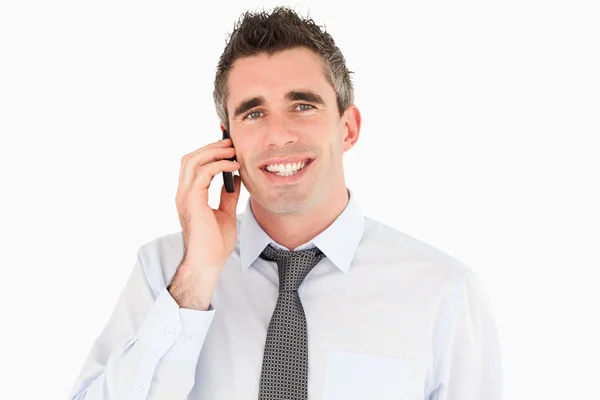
[[160, 257], [395, 245], [170, 243]]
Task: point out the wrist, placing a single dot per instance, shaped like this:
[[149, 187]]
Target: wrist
[[192, 287]]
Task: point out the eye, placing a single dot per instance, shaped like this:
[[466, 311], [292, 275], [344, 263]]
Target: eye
[[252, 115], [304, 107]]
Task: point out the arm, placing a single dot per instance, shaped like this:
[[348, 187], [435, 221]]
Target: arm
[[150, 346], [468, 365]]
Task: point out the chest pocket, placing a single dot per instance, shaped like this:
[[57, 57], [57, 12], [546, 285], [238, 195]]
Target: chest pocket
[[351, 376]]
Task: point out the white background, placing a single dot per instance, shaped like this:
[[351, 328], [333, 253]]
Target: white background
[[480, 137]]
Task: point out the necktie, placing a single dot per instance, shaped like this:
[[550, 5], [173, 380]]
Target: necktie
[[285, 361]]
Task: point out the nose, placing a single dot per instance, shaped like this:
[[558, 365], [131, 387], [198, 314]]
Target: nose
[[280, 131]]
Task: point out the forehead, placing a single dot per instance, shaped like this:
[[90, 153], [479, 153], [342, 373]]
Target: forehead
[[268, 76]]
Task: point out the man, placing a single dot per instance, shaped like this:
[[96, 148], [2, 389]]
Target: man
[[301, 296]]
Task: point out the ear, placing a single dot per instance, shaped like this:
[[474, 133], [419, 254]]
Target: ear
[[352, 126]]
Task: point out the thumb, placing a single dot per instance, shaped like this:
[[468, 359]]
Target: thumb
[[228, 203]]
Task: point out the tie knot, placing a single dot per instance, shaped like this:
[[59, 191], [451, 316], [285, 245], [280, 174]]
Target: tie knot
[[293, 266]]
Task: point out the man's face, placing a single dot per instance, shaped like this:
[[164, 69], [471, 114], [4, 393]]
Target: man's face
[[283, 113]]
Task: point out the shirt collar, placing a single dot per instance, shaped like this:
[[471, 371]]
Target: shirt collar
[[338, 242]]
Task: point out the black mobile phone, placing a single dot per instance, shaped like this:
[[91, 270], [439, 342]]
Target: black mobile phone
[[228, 176]]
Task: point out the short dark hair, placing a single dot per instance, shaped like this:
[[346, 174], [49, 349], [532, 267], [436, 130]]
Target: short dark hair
[[281, 29]]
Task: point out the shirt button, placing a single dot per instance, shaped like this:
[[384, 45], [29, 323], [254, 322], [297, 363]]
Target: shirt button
[[170, 332], [140, 391], [189, 336]]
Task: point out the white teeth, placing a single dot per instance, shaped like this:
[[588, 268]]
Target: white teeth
[[287, 169]]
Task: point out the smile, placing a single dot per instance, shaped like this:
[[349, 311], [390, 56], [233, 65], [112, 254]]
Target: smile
[[288, 169], [287, 173]]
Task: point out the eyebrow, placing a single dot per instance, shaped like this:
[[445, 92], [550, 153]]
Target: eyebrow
[[293, 95]]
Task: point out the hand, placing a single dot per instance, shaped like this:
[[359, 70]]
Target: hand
[[209, 235]]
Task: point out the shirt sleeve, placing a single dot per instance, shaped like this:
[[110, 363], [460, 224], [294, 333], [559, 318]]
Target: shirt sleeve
[[149, 347], [468, 365]]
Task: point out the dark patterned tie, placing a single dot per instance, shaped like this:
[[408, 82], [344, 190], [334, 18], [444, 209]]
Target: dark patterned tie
[[285, 362]]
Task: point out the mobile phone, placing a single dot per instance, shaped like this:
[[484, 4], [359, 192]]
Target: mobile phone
[[228, 176]]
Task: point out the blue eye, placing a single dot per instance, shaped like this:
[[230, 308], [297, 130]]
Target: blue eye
[[309, 106], [252, 113]]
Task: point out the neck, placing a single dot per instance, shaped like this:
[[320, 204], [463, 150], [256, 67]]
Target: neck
[[294, 230]]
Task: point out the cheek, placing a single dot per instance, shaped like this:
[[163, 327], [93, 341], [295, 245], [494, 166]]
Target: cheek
[[321, 123], [337, 139], [245, 152], [240, 149]]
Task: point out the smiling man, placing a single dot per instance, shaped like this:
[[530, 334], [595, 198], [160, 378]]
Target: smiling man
[[290, 137], [301, 296]]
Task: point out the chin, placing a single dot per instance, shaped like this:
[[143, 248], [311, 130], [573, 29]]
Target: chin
[[286, 208], [283, 201]]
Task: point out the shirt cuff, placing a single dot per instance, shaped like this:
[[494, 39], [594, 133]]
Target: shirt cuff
[[175, 333]]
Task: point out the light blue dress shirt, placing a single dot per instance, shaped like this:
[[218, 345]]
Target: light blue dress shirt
[[388, 317]]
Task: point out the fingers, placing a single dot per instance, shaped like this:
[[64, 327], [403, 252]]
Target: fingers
[[228, 203], [190, 163], [207, 172]]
